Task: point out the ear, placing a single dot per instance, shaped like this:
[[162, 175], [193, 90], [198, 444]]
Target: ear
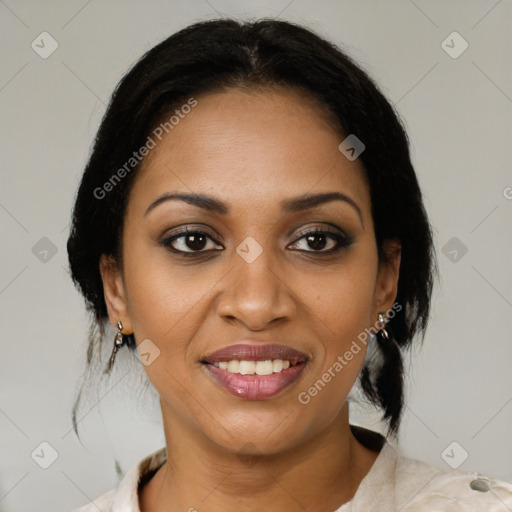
[[386, 286], [114, 293]]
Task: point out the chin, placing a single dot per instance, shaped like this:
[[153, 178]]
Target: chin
[[270, 434]]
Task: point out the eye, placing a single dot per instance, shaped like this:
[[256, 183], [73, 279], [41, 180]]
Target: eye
[[319, 238], [189, 241]]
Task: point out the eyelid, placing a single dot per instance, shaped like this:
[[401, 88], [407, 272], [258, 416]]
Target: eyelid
[[325, 227], [187, 228], [190, 228]]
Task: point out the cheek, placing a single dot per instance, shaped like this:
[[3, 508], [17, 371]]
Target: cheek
[[161, 295], [342, 305], [342, 297], [342, 312]]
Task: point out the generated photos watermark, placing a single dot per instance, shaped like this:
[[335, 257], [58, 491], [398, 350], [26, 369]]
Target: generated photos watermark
[[143, 151], [304, 397]]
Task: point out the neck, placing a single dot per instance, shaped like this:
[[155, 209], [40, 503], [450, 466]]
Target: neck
[[319, 475]]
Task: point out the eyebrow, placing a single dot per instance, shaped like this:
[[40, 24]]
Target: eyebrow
[[291, 205]]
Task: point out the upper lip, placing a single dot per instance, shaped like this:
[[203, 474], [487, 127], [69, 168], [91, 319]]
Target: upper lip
[[256, 352]]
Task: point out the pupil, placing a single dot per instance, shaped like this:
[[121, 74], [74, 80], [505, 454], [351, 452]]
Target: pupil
[[197, 241], [317, 245]]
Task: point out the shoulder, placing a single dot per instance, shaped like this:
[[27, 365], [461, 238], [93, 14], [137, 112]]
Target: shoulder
[[426, 488]]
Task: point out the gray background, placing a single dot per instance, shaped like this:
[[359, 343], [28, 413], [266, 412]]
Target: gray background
[[458, 115]]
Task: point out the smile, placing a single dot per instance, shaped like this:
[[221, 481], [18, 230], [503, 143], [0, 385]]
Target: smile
[[255, 372]]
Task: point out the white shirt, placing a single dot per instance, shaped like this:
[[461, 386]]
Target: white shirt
[[394, 483]]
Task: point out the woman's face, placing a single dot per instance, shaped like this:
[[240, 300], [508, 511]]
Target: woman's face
[[256, 275]]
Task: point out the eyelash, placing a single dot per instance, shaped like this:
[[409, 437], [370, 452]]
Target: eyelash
[[342, 241]]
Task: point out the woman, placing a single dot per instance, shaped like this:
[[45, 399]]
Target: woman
[[250, 222]]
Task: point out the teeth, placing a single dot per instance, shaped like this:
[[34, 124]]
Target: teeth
[[277, 365], [234, 366], [266, 367], [247, 368]]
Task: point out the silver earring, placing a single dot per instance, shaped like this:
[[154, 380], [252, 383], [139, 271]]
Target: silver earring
[[383, 321], [118, 343]]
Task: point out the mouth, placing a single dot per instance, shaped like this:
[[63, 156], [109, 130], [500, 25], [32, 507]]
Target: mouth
[[255, 372]]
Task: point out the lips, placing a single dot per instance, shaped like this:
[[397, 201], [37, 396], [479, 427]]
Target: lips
[[250, 386], [259, 352]]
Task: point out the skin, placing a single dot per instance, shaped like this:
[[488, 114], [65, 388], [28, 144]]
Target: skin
[[251, 149]]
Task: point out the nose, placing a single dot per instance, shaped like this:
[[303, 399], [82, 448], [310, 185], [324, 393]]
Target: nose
[[256, 294]]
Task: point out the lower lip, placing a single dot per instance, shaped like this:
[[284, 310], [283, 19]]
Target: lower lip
[[255, 387]]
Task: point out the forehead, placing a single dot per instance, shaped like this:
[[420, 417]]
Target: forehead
[[251, 147]]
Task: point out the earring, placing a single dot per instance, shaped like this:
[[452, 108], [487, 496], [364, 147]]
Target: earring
[[118, 343], [383, 321]]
